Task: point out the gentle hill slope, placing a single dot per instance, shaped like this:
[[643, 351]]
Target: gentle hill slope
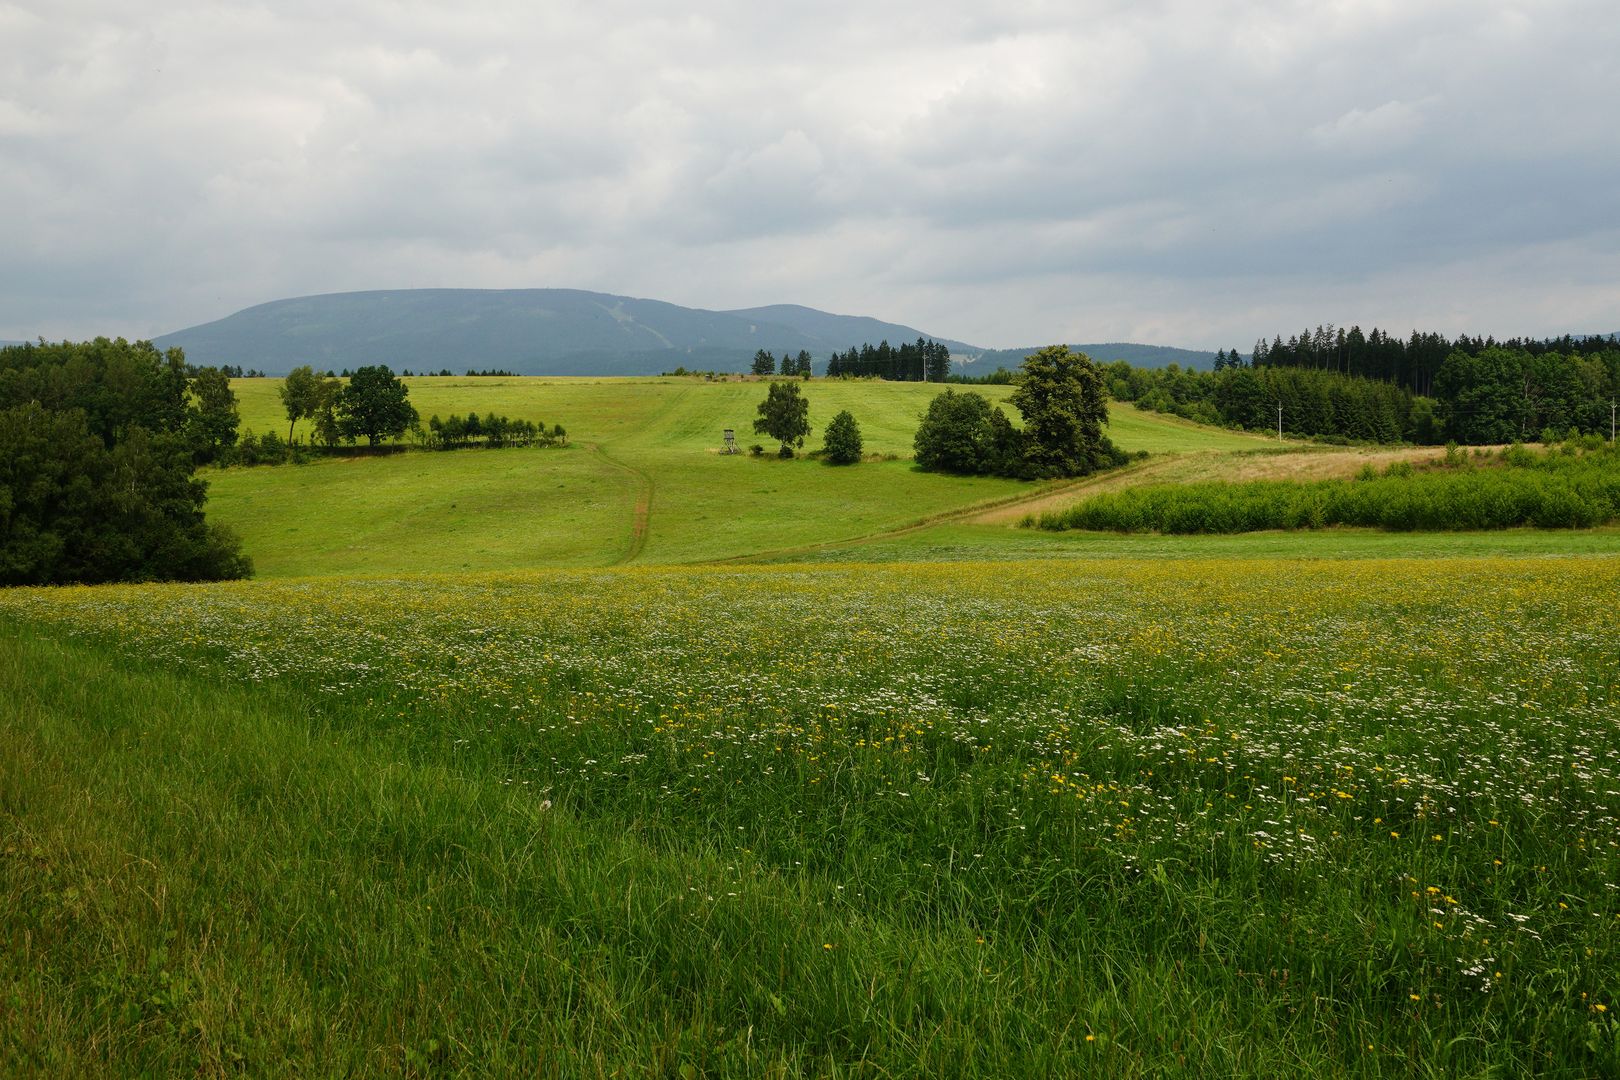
[[839, 332], [642, 479]]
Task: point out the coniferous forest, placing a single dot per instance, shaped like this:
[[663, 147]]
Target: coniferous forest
[[919, 361], [1376, 387]]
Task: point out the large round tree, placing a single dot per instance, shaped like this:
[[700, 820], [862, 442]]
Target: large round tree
[[1061, 396], [374, 405]]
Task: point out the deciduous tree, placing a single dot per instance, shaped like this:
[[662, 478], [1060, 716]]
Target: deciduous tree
[[374, 405], [784, 415], [1064, 405]]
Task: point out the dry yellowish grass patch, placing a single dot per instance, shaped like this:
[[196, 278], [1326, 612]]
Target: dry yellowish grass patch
[[1283, 463]]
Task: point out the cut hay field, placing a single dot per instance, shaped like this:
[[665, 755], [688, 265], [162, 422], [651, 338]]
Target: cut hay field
[[476, 781], [1127, 817]]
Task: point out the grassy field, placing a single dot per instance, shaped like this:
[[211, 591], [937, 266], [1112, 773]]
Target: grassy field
[[879, 786], [641, 479], [1020, 818]]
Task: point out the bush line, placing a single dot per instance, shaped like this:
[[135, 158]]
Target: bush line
[[1562, 490]]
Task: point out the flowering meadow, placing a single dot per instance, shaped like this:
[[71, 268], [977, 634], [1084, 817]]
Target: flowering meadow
[[1126, 816]]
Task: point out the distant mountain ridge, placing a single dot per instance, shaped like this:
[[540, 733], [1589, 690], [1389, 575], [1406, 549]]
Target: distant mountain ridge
[[841, 332], [529, 331], [561, 332], [1147, 356]]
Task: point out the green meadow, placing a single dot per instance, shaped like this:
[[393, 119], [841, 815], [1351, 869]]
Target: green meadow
[[628, 758], [642, 478]]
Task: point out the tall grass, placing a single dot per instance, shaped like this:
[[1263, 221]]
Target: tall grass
[[1561, 491], [972, 819]]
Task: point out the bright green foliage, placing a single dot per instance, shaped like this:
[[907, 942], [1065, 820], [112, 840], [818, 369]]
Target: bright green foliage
[[1560, 491], [784, 415], [373, 405], [303, 394], [842, 445]]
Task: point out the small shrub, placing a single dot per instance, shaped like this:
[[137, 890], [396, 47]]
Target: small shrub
[[842, 441], [1518, 456]]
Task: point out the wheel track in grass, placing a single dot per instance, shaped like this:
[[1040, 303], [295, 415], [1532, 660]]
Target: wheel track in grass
[[1010, 506], [642, 509]]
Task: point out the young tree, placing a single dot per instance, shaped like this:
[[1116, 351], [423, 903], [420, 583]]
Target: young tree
[[1064, 405], [374, 405], [302, 393], [784, 415], [842, 440]]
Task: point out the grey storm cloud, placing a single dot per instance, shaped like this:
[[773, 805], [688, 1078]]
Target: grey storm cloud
[[1185, 172]]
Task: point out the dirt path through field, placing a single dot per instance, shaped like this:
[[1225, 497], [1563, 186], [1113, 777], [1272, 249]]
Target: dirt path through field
[[642, 509]]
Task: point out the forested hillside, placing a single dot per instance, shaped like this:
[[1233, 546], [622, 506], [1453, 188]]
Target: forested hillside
[[526, 331]]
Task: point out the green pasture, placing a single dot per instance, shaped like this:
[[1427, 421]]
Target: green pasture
[[641, 479], [956, 541], [473, 782], [689, 413]]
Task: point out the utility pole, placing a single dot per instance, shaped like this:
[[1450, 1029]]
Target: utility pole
[[1279, 420], [1611, 420]]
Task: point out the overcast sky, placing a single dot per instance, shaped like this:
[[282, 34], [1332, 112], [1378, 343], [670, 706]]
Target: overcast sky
[[1183, 172]]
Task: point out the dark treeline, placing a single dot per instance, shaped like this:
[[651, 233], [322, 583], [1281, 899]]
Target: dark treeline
[[999, 377], [501, 373], [99, 441], [492, 431], [919, 361], [1320, 404], [1414, 361], [1498, 394], [765, 364]]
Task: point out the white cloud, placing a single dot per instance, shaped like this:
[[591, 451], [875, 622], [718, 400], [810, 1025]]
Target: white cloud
[[1175, 169], [1361, 132]]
